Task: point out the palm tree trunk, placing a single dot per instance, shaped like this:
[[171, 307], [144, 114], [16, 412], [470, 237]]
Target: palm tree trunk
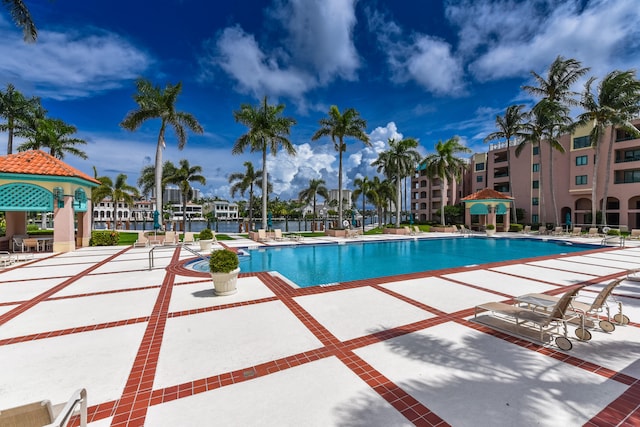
[[514, 212], [363, 197], [314, 226], [398, 200], [551, 187], [264, 188], [444, 199], [184, 213], [158, 170], [10, 125], [541, 213], [340, 186], [250, 208], [594, 185], [605, 193]]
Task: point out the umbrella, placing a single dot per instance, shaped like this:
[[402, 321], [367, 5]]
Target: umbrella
[[269, 220], [411, 219], [156, 223], [567, 218], [353, 219]]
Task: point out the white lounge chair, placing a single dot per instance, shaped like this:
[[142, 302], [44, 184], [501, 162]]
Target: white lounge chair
[[6, 259], [277, 234], [141, 242], [41, 413], [546, 323], [188, 238], [170, 238], [262, 235]]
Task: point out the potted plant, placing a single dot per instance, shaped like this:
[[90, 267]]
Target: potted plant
[[490, 229], [205, 239], [224, 268]]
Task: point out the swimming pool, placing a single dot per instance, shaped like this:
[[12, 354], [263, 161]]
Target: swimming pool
[[313, 265]]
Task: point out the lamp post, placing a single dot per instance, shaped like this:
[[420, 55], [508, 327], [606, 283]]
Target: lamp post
[[323, 214]]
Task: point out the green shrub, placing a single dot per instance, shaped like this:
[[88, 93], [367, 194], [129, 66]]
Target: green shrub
[[223, 261], [613, 232], [206, 234], [490, 227], [515, 228], [104, 238]]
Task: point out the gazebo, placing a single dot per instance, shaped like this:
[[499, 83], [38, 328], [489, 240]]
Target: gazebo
[[34, 181], [488, 204]]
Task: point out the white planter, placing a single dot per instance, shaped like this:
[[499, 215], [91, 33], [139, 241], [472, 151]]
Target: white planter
[[490, 232], [225, 283], [205, 245]]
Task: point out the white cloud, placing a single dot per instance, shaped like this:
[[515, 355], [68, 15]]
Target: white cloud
[[316, 49], [289, 174], [428, 61], [599, 35], [69, 65]]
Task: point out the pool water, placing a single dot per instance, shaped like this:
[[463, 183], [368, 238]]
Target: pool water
[[312, 265]]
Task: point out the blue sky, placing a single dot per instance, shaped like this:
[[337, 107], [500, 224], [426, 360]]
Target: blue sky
[[413, 68]]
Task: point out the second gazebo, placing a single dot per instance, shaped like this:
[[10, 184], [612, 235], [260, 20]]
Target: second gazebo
[[487, 204]]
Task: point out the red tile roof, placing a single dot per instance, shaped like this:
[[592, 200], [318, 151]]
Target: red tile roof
[[485, 194], [36, 162]]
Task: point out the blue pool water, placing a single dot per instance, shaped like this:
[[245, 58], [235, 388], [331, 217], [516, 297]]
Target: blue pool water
[[312, 265]]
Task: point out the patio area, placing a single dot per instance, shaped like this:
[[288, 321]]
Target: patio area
[[155, 347]]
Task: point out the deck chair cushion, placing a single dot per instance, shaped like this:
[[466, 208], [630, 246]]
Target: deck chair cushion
[[36, 414]]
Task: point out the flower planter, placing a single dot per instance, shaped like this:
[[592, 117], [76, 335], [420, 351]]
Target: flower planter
[[442, 229], [333, 232], [490, 232], [205, 245], [225, 283], [393, 230]]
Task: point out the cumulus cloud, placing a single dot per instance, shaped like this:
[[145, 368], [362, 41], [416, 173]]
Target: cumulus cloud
[[571, 29], [71, 64], [316, 48], [426, 60]]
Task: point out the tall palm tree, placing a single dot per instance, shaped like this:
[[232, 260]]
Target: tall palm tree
[[16, 109], [22, 17], [366, 189], [398, 162], [183, 177], [241, 182], [316, 187], [445, 165], [339, 126], [557, 96], [156, 103], [119, 191], [385, 191], [53, 134], [268, 132], [147, 179], [510, 127], [615, 103]]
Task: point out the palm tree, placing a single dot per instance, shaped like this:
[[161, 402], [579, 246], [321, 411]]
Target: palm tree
[[366, 189], [156, 103], [183, 177], [119, 191], [339, 126], [385, 192], [616, 102], [316, 187], [445, 165], [22, 17], [510, 126], [268, 131], [16, 109], [53, 134], [397, 163], [556, 95], [241, 182], [147, 179]]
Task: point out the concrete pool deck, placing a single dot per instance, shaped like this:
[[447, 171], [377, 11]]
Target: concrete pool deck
[[156, 348]]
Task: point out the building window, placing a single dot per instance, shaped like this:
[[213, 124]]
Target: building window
[[480, 166], [628, 155], [582, 160], [535, 219], [581, 142], [628, 176], [535, 184], [534, 201], [581, 179], [479, 178], [536, 167], [536, 150]]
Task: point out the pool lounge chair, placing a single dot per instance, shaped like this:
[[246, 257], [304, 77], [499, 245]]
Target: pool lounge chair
[[354, 233], [522, 321], [38, 414], [188, 238], [592, 311], [262, 235], [170, 238], [277, 234], [526, 229], [417, 230], [635, 234], [141, 242], [558, 231], [576, 232], [593, 232], [6, 259]]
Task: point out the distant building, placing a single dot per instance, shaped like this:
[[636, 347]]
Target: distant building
[[222, 210], [346, 198]]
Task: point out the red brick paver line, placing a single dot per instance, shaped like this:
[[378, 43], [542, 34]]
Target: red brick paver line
[[131, 409]]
